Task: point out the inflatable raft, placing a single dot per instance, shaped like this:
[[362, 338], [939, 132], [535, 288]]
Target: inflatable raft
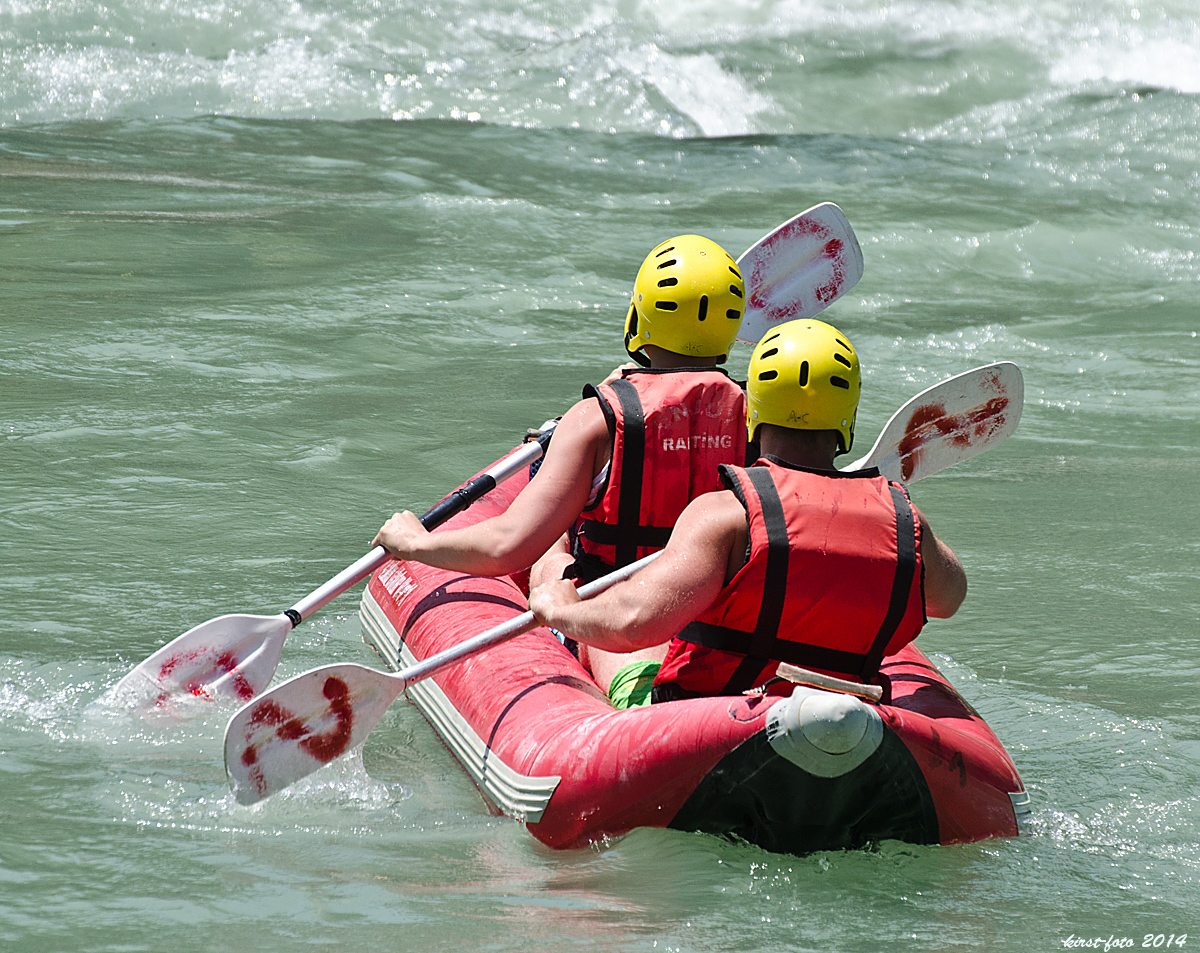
[[794, 769]]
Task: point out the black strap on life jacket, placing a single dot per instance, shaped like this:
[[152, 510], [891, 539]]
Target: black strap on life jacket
[[628, 535], [629, 509], [763, 644], [605, 534], [906, 567]]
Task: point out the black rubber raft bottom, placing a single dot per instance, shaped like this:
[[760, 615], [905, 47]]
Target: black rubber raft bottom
[[757, 796]]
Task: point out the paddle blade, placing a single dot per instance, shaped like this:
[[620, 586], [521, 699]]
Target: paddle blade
[[798, 270], [230, 657], [948, 423], [306, 722]]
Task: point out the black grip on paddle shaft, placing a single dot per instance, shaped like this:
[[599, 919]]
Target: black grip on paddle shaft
[[459, 500], [472, 490], [543, 439]]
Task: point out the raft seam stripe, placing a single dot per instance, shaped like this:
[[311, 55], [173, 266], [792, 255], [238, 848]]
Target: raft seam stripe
[[518, 795]]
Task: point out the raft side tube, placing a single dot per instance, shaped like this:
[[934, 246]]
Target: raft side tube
[[508, 791]]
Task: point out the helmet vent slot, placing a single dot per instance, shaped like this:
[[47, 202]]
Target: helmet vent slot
[[668, 282], [660, 253], [771, 353], [668, 263], [844, 344], [736, 290], [768, 375], [840, 382], [845, 362], [804, 374], [665, 305], [733, 313], [771, 338], [703, 308], [735, 271]]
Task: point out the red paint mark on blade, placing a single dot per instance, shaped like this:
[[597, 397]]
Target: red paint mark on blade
[[802, 229], [931, 422], [206, 667], [169, 666], [798, 227], [228, 663], [334, 743], [757, 292], [323, 747], [287, 726], [174, 662]]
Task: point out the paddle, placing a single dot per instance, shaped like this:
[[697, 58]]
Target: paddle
[[948, 423], [798, 270], [313, 718], [235, 656], [319, 715]]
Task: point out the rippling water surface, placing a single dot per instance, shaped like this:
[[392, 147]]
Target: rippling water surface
[[269, 271]]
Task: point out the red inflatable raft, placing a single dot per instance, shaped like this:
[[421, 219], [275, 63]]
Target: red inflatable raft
[[812, 770]]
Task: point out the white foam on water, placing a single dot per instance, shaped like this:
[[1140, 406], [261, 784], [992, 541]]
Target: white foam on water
[[718, 102], [343, 782], [1160, 63], [1125, 45], [287, 75], [687, 69], [1087, 770]]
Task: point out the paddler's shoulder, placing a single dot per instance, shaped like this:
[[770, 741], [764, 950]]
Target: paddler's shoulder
[[584, 422]]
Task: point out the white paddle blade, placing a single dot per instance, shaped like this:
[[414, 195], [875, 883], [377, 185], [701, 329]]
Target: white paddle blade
[[231, 657], [305, 723], [948, 423], [798, 270]]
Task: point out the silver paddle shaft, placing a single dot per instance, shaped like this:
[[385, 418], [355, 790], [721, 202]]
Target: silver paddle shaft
[[510, 629]]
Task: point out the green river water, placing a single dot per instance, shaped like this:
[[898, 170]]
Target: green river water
[[233, 340]]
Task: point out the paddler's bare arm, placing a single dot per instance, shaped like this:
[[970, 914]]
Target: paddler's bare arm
[[945, 580], [707, 547], [551, 566], [540, 514]]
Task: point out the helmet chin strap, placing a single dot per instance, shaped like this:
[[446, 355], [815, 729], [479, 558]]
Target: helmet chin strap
[[632, 324], [639, 355]]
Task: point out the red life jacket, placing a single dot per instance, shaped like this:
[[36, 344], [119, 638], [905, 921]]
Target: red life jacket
[[833, 583], [670, 431]]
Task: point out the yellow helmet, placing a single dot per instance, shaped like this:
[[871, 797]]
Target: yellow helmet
[[804, 375], [688, 298]]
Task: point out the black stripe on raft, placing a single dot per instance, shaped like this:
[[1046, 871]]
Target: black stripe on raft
[[441, 597]]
